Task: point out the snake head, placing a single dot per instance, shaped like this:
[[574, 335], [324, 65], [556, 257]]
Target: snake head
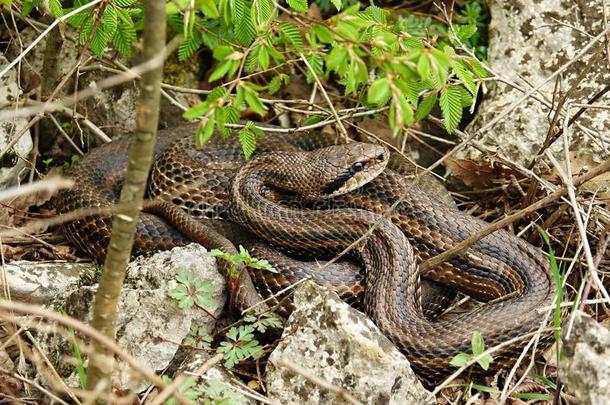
[[348, 167]]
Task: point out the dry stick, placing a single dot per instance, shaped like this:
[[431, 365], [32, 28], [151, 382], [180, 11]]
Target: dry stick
[[132, 193], [111, 81], [25, 309], [330, 103], [340, 392], [50, 185], [45, 32], [467, 243], [598, 258]]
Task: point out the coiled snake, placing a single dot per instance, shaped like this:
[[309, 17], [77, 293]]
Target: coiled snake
[[203, 181]]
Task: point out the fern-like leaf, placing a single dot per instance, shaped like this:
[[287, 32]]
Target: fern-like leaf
[[451, 107]]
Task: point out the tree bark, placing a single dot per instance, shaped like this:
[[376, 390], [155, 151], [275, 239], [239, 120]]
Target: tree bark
[[101, 362]]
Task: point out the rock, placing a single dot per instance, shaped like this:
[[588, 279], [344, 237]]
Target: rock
[[528, 42], [44, 283], [586, 367], [150, 325], [13, 165], [336, 343]]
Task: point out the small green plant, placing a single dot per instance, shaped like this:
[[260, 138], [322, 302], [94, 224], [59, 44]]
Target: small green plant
[[478, 347], [81, 370], [242, 258], [239, 345], [198, 337], [267, 320], [209, 392], [558, 277], [191, 291]]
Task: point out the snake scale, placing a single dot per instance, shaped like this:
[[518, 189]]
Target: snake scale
[[214, 182]]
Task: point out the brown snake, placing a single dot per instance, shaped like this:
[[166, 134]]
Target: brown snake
[[203, 181]]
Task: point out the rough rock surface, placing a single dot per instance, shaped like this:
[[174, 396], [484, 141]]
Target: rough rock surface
[[43, 283], [529, 41], [150, 324], [13, 164], [586, 367], [340, 345]]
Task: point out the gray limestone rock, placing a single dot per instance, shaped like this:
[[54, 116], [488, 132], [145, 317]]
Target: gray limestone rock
[[529, 41], [13, 166], [340, 345], [586, 366]]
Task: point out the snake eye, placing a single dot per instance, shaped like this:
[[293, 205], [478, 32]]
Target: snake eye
[[357, 167]]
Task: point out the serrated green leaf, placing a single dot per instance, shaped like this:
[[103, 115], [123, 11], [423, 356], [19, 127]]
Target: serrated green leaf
[[262, 10], [123, 3], [451, 106], [460, 360], [124, 37], [99, 41], [426, 106], [55, 7], [477, 68], [247, 140], [299, 6], [379, 92], [465, 75], [292, 34], [110, 21], [196, 111], [244, 27], [337, 3], [189, 46]]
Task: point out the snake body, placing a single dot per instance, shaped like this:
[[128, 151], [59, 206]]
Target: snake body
[[203, 182]]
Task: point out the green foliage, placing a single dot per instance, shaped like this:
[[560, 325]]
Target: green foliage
[[239, 345], [242, 258], [198, 337], [268, 320], [81, 370], [191, 291], [478, 347], [558, 277]]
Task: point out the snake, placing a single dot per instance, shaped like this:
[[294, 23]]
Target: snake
[[312, 199]]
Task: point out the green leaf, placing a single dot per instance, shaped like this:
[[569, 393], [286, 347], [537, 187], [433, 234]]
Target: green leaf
[[451, 106], [299, 6], [465, 75], [244, 27], [262, 11], [123, 3], [424, 68], [54, 5], [426, 106], [485, 361], [337, 3], [208, 8], [477, 67], [110, 21], [532, 396], [379, 92], [189, 45], [204, 131], [292, 34], [99, 41], [247, 139], [221, 70], [485, 388], [254, 102], [460, 359], [196, 111], [478, 345], [323, 33]]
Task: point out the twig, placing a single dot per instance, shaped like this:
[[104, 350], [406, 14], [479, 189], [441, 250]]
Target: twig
[[50, 185], [467, 243], [330, 103], [23, 308], [45, 32], [340, 392]]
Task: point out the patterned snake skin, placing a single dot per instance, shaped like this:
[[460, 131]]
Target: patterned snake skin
[[202, 183]]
